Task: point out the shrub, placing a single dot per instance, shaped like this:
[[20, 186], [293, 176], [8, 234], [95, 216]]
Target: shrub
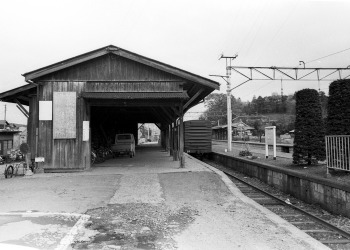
[[338, 120], [245, 153], [309, 141]]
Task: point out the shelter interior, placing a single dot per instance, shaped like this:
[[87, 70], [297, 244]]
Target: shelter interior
[[105, 91]]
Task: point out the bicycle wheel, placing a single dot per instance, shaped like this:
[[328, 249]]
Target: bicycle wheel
[[9, 172]]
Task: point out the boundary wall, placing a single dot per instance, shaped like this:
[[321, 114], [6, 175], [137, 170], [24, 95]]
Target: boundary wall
[[285, 148], [330, 195]]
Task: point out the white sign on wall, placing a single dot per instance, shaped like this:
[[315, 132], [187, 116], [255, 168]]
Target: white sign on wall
[[86, 130], [45, 110]]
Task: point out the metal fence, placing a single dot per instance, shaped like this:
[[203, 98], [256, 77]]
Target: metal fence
[[338, 152]]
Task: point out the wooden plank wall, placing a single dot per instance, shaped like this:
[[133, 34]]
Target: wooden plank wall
[[95, 76], [164, 86], [109, 68], [64, 153], [32, 125]]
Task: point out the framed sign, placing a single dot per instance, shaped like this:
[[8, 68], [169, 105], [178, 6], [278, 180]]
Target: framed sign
[[64, 115], [39, 159], [270, 136], [45, 110]]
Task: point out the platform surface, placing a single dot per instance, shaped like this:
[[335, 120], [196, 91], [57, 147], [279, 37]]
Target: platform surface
[[147, 202]]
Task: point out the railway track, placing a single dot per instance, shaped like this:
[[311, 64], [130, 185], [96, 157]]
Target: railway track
[[318, 228]]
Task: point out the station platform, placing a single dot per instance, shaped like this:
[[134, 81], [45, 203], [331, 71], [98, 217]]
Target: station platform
[[145, 202]]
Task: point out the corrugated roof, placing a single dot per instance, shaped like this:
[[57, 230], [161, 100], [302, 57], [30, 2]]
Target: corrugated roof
[[135, 95]]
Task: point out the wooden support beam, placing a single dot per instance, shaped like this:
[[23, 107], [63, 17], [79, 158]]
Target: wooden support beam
[[181, 137], [171, 139], [159, 115], [175, 111], [24, 113], [141, 126], [22, 108], [193, 98], [26, 99], [170, 116], [158, 125]]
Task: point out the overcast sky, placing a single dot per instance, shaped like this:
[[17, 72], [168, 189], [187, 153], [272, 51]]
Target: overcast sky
[[186, 34]]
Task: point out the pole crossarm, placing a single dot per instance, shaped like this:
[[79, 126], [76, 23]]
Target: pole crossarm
[[223, 77], [287, 71]]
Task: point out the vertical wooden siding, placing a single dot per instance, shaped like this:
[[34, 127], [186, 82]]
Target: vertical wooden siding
[[32, 125], [64, 153], [109, 67], [93, 76]]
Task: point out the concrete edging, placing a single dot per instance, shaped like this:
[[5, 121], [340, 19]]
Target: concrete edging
[[290, 172], [300, 235]]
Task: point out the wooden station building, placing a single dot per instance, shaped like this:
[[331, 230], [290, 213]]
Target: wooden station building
[[109, 90]]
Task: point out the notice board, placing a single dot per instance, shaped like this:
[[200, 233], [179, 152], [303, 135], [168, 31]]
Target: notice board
[[64, 115], [270, 135]]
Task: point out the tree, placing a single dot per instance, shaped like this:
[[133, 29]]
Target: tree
[[309, 143], [324, 103], [259, 128], [260, 105], [216, 104], [338, 119]]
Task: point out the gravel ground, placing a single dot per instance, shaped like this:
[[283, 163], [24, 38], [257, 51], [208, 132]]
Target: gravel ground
[[135, 226]]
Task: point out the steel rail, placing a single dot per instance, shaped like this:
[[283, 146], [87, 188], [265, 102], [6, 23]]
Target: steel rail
[[317, 219]]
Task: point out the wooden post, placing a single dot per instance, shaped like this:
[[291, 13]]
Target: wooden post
[[171, 138], [181, 138], [175, 147]]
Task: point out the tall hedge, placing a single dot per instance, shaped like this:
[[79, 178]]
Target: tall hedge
[[309, 140], [338, 120]]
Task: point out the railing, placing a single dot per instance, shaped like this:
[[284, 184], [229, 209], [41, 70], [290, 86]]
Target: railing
[[338, 152]]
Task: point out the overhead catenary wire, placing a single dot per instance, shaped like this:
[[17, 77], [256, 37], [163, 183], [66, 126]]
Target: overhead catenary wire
[[313, 60], [335, 53]]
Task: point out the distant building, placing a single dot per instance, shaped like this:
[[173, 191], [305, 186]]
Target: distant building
[[238, 129], [11, 136]]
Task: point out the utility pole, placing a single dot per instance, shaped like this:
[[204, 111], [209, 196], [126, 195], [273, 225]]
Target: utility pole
[[228, 91], [5, 114]]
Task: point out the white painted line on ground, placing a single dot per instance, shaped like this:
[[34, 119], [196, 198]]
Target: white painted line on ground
[[37, 214], [69, 238]]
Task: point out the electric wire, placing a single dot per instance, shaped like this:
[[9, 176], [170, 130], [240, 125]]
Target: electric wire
[[261, 22], [269, 44], [335, 53]]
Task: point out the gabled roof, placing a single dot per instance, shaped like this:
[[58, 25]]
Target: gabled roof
[[32, 75]]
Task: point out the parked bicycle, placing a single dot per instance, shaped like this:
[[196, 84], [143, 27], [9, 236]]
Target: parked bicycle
[[15, 168]]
